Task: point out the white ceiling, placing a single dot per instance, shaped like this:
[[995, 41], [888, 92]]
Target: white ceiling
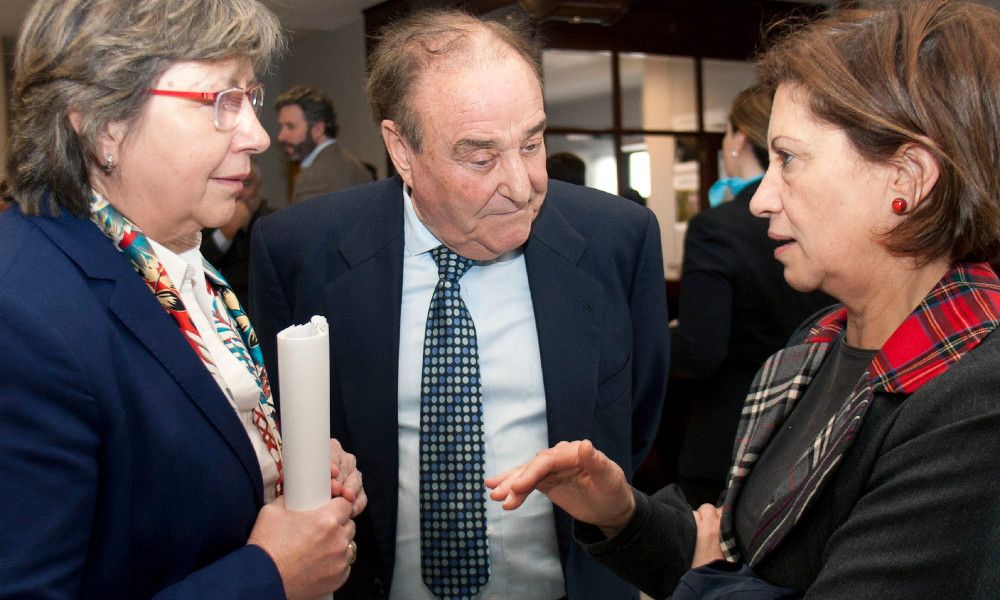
[[295, 15]]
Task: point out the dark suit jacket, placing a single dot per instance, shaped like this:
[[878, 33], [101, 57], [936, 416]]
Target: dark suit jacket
[[596, 277], [736, 309], [333, 169], [126, 472]]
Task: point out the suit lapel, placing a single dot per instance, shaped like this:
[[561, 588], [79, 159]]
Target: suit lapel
[[568, 305], [363, 305], [137, 309]]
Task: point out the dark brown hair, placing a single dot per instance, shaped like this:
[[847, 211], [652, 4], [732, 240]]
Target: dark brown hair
[[922, 73], [100, 57], [316, 107], [408, 47]]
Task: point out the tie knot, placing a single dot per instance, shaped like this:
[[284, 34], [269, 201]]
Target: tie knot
[[451, 266]]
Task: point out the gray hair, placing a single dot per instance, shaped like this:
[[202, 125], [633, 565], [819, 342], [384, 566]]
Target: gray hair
[[99, 58]]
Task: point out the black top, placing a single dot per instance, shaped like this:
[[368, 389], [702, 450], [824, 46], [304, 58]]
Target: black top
[[834, 382]]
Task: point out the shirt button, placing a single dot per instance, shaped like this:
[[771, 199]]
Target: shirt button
[[494, 597], [489, 531]]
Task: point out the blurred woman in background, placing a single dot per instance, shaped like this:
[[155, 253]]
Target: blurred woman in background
[[735, 308]]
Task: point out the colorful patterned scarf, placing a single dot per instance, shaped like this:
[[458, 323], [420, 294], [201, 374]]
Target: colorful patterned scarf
[[957, 314], [134, 245]]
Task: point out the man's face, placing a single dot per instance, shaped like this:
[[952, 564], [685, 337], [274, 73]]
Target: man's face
[[479, 179], [294, 132]]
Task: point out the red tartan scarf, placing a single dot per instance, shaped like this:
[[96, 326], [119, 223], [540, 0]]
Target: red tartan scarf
[[958, 313]]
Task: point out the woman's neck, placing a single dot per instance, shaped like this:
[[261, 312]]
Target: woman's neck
[[146, 220], [872, 317], [182, 243]]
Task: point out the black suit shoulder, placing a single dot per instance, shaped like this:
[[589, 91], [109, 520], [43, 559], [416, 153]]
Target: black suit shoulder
[[589, 208], [297, 232], [607, 225], [331, 212]]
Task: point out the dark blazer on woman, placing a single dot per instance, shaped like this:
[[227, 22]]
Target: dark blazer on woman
[[125, 471], [901, 498], [735, 310]]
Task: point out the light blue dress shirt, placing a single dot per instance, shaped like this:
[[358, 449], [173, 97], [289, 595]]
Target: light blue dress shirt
[[524, 552]]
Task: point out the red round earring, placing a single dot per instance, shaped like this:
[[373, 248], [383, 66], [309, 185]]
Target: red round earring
[[899, 206]]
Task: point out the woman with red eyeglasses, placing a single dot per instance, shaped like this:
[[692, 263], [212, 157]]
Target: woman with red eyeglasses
[[139, 448]]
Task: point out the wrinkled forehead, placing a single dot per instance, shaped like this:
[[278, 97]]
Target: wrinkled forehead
[[498, 83]]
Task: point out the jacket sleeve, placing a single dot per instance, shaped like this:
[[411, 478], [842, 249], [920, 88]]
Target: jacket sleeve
[[656, 547], [651, 343], [51, 456], [247, 572], [49, 440]]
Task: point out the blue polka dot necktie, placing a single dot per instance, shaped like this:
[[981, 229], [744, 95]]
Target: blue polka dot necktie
[[454, 555]]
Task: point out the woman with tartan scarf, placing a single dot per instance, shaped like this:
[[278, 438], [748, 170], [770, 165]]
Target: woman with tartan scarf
[[139, 447], [866, 460]]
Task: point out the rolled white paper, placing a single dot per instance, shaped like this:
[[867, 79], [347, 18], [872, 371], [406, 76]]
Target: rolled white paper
[[304, 364]]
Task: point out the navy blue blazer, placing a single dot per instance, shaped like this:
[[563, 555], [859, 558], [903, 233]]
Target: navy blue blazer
[[596, 277], [125, 471]]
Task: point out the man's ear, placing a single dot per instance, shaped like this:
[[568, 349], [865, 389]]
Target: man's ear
[[399, 150], [915, 174], [317, 131]]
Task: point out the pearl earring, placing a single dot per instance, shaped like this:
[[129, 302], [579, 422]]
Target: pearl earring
[[734, 153], [109, 164]]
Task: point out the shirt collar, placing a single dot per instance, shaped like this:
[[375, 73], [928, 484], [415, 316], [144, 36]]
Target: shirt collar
[[308, 160], [185, 265], [417, 239], [955, 317]]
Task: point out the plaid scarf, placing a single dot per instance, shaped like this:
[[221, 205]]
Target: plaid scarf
[[136, 247], [958, 313]]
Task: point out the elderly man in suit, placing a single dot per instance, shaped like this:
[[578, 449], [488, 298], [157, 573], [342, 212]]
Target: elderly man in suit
[[307, 130], [557, 330]]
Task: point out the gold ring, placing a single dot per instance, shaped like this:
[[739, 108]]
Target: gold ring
[[354, 552]]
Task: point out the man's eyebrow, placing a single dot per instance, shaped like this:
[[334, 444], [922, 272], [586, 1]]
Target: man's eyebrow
[[488, 144], [474, 144], [536, 129]]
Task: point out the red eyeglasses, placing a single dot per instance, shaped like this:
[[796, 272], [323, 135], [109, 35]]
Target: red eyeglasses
[[228, 103]]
